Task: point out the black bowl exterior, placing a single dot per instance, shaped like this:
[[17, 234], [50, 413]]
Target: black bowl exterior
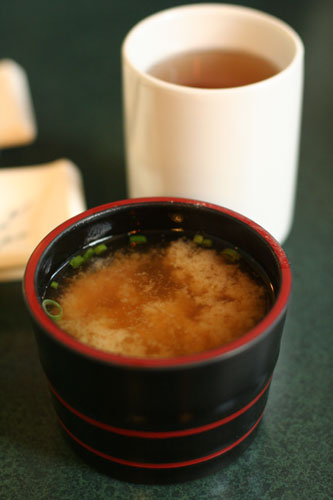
[[159, 424], [159, 420]]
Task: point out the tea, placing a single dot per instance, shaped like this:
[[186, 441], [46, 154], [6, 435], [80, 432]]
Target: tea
[[214, 68], [161, 299]]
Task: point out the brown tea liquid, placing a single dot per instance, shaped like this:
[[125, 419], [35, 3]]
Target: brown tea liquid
[[214, 69]]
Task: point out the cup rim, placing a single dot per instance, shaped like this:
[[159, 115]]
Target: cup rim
[[226, 350], [186, 90]]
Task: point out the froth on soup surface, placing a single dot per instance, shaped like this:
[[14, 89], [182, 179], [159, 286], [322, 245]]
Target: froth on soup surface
[[164, 302]]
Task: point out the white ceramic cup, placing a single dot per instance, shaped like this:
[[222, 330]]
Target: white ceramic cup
[[237, 147]]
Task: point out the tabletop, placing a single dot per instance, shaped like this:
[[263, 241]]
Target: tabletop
[[71, 53]]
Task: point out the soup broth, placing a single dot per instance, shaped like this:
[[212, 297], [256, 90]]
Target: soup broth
[[157, 299]]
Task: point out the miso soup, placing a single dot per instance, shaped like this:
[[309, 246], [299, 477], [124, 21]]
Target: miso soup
[[148, 297]]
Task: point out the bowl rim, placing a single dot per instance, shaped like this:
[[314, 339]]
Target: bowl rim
[[49, 326]]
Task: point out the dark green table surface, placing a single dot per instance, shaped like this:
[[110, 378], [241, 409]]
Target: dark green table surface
[[70, 50]]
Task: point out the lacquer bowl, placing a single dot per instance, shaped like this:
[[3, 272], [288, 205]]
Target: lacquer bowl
[[158, 420]]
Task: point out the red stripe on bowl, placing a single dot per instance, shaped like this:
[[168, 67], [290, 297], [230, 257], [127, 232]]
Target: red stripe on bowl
[[171, 465], [159, 434]]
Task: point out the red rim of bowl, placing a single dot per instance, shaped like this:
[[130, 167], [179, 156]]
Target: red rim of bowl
[[63, 337]]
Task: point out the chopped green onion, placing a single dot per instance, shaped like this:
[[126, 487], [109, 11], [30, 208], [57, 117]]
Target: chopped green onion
[[76, 261], [137, 239], [88, 254], [100, 248], [54, 284], [49, 302], [207, 242], [230, 254], [198, 239]]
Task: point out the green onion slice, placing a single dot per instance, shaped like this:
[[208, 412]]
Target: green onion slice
[[198, 239], [88, 254], [52, 303], [207, 242], [54, 284], [231, 254], [138, 239], [100, 248], [76, 261]]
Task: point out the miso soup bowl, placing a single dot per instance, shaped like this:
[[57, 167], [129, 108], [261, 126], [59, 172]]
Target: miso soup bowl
[[158, 420]]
